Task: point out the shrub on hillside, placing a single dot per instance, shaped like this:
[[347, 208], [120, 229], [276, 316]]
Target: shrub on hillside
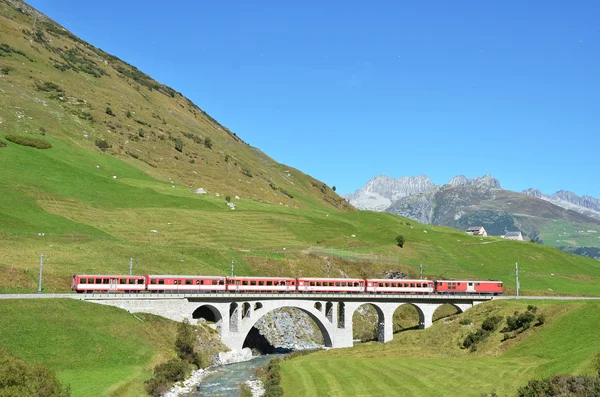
[[178, 144], [102, 144], [519, 321], [174, 370], [109, 111], [141, 132], [2, 144], [18, 378], [465, 321], [562, 385], [474, 338], [490, 323], [208, 143], [28, 141], [400, 241]]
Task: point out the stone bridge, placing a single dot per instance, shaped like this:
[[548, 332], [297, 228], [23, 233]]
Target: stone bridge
[[236, 313]]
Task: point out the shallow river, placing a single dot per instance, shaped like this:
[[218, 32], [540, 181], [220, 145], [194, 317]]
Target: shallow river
[[226, 380]]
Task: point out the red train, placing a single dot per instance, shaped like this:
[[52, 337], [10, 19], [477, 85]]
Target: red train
[[162, 283]]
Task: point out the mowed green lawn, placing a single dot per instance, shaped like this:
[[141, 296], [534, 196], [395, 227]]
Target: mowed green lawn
[[431, 363], [97, 350]]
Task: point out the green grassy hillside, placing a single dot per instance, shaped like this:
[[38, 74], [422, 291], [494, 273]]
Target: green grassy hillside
[[56, 85], [88, 210], [97, 350], [93, 223], [431, 362]]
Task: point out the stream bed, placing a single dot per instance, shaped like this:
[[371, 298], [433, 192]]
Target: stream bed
[[225, 381]]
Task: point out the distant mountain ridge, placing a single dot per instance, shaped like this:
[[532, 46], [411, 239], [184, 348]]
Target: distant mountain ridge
[[586, 205], [562, 219]]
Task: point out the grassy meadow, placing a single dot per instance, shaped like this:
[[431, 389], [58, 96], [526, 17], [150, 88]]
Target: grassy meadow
[[431, 362], [92, 223], [97, 350]]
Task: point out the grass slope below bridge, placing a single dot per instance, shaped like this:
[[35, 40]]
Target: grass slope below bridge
[[431, 363], [98, 350]]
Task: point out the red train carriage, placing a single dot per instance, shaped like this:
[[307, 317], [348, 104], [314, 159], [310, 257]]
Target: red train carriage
[[343, 285], [468, 287], [108, 283], [186, 283], [390, 286], [261, 284]]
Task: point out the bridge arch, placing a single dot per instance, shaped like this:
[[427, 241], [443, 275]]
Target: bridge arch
[[422, 317], [208, 313], [381, 319], [315, 315], [445, 310]]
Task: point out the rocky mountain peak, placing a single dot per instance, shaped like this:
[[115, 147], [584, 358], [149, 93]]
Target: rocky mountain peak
[[537, 193], [381, 191], [487, 181]]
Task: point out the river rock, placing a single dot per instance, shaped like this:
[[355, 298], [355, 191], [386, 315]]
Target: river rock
[[233, 356]]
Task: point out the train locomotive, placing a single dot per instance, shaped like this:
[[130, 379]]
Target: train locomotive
[[304, 285]]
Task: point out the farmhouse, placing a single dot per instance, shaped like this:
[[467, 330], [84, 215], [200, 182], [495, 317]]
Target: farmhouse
[[477, 231], [513, 236]]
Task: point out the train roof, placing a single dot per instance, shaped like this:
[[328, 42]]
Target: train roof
[[330, 279], [107, 275], [182, 276], [388, 280], [468, 281]]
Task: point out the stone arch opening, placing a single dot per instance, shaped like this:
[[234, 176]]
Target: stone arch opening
[[329, 311], [319, 306], [207, 313], [233, 317], [412, 321], [406, 317], [246, 310], [257, 306], [368, 323], [445, 310], [278, 328]]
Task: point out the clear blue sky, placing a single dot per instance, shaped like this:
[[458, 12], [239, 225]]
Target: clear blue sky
[[347, 90]]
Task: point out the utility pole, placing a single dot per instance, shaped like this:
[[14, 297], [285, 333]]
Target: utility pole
[[41, 265], [421, 271], [517, 275], [130, 266], [232, 265]]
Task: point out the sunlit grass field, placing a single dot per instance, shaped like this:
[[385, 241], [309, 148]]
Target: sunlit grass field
[[93, 223], [97, 350], [431, 363]]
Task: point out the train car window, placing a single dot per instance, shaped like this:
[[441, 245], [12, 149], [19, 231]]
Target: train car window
[[269, 283], [244, 282], [318, 283], [122, 281], [153, 281], [252, 282], [98, 281], [338, 284], [261, 283], [477, 284], [343, 284], [198, 282], [131, 281], [82, 281], [312, 283], [161, 281], [188, 282], [282, 283], [412, 285], [214, 282], [499, 284], [105, 281]]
